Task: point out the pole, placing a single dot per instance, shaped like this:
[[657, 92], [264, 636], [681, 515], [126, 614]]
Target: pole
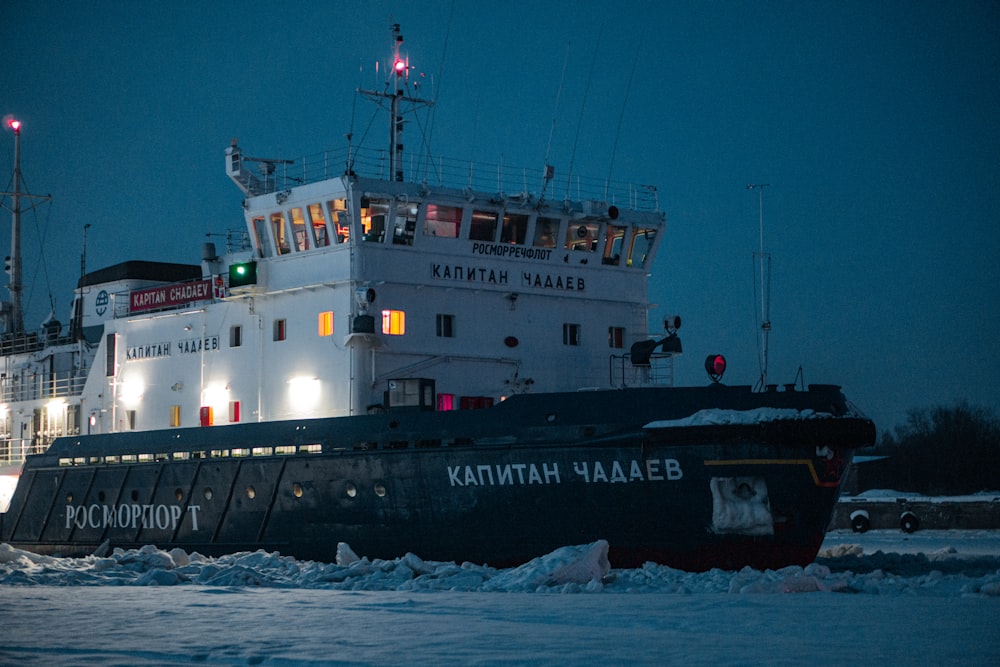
[[16, 324]]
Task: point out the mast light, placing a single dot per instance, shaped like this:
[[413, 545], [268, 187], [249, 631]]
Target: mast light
[[14, 125]]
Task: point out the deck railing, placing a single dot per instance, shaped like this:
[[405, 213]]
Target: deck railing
[[529, 183]]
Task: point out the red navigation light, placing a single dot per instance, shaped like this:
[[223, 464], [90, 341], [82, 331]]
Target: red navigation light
[[400, 67], [715, 366], [15, 125]]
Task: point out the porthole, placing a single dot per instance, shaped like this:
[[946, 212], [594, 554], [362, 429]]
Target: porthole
[[380, 490], [208, 493], [251, 493], [179, 495], [100, 496], [135, 496], [551, 417], [69, 497], [351, 490], [297, 490]]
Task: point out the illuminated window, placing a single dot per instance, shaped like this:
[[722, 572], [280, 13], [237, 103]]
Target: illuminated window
[[319, 225], [642, 243], [446, 402], [484, 226], [235, 335], [616, 337], [325, 323], [443, 221], [279, 329], [613, 238], [299, 232], [393, 322], [515, 226], [571, 334], [405, 223], [373, 216], [341, 221], [175, 415], [446, 326], [582, 236]]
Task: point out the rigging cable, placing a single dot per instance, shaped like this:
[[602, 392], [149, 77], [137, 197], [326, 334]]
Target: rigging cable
[[621, 117], [583, 105], [546, 177], [437, 88]]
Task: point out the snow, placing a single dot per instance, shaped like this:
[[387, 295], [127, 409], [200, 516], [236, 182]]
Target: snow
[[716, 417], [884, 596], [891, 496]]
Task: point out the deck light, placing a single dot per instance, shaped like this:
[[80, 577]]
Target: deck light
[[715, 366]]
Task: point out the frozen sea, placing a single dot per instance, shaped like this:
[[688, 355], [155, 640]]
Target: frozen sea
[[884, 597]]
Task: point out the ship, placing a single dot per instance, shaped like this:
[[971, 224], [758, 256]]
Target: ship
[[428, 356]]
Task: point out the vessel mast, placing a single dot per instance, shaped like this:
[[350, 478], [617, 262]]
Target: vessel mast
[[397, 96], [15, 320]]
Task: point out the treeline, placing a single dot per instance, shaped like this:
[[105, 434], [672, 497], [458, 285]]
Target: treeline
[[943, 451]]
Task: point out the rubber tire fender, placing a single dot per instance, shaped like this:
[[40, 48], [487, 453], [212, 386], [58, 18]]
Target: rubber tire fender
[[860, 521]]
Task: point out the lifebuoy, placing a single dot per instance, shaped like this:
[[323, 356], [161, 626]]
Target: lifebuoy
[[908, 522]]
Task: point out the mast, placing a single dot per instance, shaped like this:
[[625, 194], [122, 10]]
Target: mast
[[396, 94], [15, 321]]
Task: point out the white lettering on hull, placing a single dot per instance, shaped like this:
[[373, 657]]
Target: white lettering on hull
[[161, 517], [526, 474]]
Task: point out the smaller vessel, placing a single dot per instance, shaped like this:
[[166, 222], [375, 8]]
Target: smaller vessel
[[441, 361]]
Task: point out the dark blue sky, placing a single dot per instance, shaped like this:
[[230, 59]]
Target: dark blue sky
[[875, 124]]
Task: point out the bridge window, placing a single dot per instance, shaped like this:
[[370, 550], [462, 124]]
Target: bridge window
[[341, 220], [515, 227], [443, 221], [642, 243], [484, 226], [373, 216], [262, 237], [280, 234], [279, 329], [405, 223], [614, 237], [582, 235], [546, 230], [318, 221], [299, 232]]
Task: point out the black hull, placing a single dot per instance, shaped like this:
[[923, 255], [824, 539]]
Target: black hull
[[497, 486]]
